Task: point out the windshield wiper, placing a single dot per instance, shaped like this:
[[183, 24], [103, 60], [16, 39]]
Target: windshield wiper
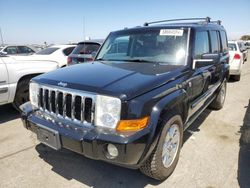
[[139, 60]]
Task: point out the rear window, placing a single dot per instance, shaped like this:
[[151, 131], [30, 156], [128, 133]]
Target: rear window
[[68, 51], [232, 47], [86, 48], [47, 51]]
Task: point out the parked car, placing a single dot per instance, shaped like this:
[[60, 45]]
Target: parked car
[[17, 50], [57, 53], [236, 60], [243, 50], [131, 107], [84, 52], [15, 76], [247, 44]]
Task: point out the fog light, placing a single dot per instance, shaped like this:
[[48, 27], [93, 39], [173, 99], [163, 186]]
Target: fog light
[[112, 151]]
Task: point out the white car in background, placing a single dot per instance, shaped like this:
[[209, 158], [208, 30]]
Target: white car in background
[[15, 77], [236, 60], [56, 53]]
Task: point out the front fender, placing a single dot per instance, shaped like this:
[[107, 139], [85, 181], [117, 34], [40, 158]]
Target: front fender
[[176, 100]]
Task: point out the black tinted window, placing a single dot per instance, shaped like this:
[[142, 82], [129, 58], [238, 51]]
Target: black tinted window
[[224, 41], [47, 51], [24, 50], [201, 44], [68, 51], [86, 48], [11, 50], [232, 47], [214, 42]]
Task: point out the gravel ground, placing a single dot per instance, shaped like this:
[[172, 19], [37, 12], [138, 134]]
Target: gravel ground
[[212, 155]]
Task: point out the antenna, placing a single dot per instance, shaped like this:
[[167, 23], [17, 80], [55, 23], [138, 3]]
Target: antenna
[[1, 36]]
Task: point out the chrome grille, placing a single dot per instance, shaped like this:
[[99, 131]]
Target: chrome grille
[[69, 104]]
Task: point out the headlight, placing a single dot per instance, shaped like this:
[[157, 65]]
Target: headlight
[[34, 90], [108, 111]]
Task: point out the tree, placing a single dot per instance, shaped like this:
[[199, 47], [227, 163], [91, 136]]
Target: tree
[[245, 37]]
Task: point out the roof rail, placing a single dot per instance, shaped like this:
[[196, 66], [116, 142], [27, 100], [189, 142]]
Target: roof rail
[[218, 22], [207, 19]]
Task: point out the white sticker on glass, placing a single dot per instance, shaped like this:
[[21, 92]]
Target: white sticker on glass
[[171, 32]]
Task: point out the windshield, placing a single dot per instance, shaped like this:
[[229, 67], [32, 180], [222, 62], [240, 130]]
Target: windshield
[[47, 51], [166, 46]]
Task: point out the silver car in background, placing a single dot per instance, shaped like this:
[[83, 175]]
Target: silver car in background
[[17, 50]]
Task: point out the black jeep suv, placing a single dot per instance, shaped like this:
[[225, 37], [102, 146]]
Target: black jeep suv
[[131, 105]]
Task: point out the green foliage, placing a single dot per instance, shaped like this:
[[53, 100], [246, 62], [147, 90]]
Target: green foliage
[[245, 37]]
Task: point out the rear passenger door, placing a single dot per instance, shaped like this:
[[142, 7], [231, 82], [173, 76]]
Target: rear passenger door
[[215, 51], [4, 94]]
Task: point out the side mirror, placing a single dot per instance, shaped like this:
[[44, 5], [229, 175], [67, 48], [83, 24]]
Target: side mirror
[[206, 60], [198, 63]]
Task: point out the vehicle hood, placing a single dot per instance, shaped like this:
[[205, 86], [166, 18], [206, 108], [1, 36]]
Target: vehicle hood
[[122, 79]]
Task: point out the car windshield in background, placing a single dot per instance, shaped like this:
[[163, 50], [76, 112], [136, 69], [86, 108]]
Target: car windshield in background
[[232, 47], [47, 51], [86, 48], [1, 49], [166, 46]]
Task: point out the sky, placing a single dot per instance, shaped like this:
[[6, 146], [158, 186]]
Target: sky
[[64, 21]]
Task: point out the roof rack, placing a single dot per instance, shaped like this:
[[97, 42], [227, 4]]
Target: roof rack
[[218, 22], [206, 19]]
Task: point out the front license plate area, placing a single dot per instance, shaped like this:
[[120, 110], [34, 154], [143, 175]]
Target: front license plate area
[[49, 137]]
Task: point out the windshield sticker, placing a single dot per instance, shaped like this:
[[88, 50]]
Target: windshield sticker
[[171, 32]]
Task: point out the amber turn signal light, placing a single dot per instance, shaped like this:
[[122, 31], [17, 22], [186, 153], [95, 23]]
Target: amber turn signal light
[[132, 125]]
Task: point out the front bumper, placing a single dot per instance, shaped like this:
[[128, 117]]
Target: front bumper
[[90, 141]]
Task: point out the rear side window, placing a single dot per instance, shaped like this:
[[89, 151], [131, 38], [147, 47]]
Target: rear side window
[[86, 48], [47, 51], [232, 47], [201, 44], [24, 50], [214, 42], [224, 41], [68, 51]]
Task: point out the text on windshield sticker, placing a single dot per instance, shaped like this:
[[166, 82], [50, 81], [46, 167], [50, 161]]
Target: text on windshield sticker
[[171, 32]]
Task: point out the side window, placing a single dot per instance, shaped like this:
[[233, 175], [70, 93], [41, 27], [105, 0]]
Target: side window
[[224, 42], [11, 50], [24, 50], [68, 51], [201, 44], [214, 42]]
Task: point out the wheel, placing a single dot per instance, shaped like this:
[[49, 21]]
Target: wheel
[[163, 160], [219, 100], [237, 77], [22, 93]]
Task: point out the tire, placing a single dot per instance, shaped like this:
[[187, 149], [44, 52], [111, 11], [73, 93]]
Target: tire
[[237, 77], [22, 93], [219, 100], [154, 166]]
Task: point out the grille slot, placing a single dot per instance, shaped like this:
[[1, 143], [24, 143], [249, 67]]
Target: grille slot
[[75, 106]]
